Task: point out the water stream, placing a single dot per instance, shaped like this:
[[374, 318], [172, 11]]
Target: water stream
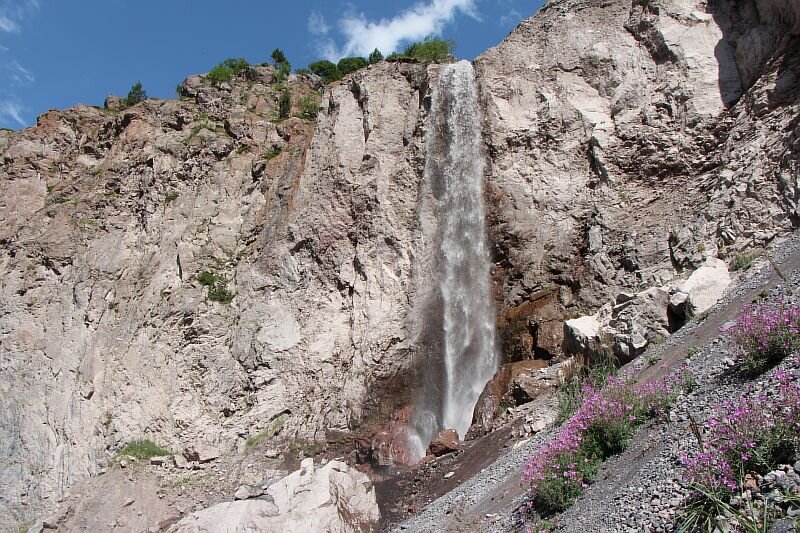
[[455, 164]]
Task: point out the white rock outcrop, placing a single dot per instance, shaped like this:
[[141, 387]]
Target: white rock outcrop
[[332, 498]]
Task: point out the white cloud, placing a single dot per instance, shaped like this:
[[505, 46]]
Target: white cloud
[[9, 109], [18, 74], [7, 25], [317, 24], [362, 36]]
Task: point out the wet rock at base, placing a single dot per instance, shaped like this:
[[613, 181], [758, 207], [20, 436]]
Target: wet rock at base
[[445, 442]]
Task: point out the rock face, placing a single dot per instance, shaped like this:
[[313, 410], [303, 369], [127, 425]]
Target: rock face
[[194, 270], [332, 498], [630, 141]]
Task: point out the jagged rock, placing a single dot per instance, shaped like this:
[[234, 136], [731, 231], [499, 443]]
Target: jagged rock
[[393, 444], [607, 126], [202, 453], [245, 492], [445, 442], [113, 103], [582, 336], [180, 462]]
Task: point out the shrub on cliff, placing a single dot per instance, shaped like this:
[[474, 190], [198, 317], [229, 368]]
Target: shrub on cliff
[[766, 333], [375, 57], [226, 70], [431, 50], [285, 104], [136, 95], [326, 70], [347, 65]]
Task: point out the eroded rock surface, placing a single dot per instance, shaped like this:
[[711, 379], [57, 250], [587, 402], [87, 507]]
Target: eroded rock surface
[[194, 271]]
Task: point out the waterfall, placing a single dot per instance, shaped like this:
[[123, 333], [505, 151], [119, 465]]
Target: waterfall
[[455, 168]]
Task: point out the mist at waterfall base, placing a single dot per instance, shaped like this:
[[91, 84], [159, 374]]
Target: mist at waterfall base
[[454, 165]]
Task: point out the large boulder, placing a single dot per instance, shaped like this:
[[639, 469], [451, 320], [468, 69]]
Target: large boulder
[[229, 517], [445, 442], [705, 286], [333, 498]]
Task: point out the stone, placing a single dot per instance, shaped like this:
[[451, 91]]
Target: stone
[[272, 453], [332, 497], [245, 492], [202, 453], [113, 103], [180, 462], [449, 475], [783, 525], [161, 460], [705, 286], [445, 442]]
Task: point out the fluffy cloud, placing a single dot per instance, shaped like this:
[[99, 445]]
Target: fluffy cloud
[[362, 36]]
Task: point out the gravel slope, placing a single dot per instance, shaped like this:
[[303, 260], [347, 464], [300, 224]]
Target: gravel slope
[[639, 489]]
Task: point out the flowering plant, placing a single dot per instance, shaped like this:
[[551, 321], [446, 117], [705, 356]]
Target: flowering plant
[[752, 435], [603, 425], [766, 333]]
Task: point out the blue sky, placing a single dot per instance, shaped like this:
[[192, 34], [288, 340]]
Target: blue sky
[[57, 53]]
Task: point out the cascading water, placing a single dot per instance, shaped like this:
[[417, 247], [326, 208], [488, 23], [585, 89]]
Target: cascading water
[[454, 169]]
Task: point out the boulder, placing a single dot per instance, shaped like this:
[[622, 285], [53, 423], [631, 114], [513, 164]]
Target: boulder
[[582, 336], [113, 103], [202, 453], [332, 498], [706, 286], [231, 517], [445, 442]]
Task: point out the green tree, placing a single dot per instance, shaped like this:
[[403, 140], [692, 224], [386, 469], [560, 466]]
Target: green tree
[[135, 95], [278, 57], [432, 50], [326, 70], [285, 104], [375, 57], [350, 64]]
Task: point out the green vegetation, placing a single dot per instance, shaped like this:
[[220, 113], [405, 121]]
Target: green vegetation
[[273, 153], [347, 65], [217, 287], [375, 57], [226, 70], [170, 197], [309, 107], [570, 396], [135, 95], [744, 260], [281, 64], [325, 70], [303, 71], [285, 104], [431, 50], [141, 449], [268, 433]]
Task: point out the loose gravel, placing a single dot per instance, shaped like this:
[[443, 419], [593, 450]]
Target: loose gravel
[[642, 488]]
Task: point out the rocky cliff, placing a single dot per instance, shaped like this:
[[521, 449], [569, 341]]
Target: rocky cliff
[[193, 270]]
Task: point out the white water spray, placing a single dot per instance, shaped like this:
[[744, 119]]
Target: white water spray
[[455, 161]]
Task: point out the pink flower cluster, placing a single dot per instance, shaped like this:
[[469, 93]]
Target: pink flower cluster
[[766, 333], [607, 416], [744, 436]]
